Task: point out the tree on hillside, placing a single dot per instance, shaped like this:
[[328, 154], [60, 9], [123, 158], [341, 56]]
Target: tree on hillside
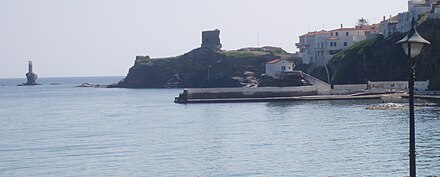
[[362, 22]]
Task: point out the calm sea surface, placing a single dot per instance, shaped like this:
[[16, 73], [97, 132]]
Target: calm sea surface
[[62, 130]]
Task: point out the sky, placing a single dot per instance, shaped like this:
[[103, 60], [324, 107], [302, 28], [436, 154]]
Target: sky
[[73, 38]]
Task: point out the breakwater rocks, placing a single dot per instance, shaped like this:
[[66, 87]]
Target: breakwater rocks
[[87, 84], [206, 68]]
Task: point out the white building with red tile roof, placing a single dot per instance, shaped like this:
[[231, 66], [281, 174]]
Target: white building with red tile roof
[[274, 68], [319, 47], [311, 43]]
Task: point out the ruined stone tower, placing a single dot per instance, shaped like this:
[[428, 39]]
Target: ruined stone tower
[[211, 40]]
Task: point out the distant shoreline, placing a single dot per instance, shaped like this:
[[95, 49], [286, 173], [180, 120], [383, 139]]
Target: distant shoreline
[[51, 77]]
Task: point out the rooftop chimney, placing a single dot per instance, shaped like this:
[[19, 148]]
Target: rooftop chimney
[[342, 26]]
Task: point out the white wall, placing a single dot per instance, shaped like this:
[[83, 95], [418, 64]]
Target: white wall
[[311, 45], [404, 21], [398, 85], [350, 87]]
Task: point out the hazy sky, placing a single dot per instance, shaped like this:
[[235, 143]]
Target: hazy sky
[[102, 37]]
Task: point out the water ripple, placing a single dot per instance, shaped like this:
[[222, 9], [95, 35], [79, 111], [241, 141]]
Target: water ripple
[[121, 132]]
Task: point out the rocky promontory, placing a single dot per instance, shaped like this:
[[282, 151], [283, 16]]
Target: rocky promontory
[[206, 67]]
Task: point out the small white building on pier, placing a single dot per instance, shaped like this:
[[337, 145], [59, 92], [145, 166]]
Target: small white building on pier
[[274, 68]]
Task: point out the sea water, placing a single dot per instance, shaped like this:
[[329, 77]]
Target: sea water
[[57, 129]]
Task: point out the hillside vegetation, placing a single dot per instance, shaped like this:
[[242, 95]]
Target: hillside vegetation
[[380, 59]]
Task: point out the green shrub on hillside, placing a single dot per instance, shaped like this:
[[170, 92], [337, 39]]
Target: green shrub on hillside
[[242, 54], [348, 59]]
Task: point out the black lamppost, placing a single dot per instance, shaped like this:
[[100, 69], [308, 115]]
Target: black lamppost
[[209, 68], [412, 43]]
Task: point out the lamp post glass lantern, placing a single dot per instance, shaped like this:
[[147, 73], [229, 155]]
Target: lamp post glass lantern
[[412, 43]]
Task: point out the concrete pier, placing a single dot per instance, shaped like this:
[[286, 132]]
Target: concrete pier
[[265, 94]]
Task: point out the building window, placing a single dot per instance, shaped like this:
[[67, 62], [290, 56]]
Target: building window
[[345, 44], [322, 44], [283, 68], [331, 34], [337, 33], [331, 44], [346, 33], [334, 44]]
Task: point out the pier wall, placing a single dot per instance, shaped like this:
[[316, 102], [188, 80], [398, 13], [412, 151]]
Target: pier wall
[[258, 92], [350, 87]]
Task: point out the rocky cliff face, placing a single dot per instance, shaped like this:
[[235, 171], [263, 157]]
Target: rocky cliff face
[[202, 67], [380, 59]]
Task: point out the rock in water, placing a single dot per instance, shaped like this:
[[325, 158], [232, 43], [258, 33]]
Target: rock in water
[[386, 106], [87, 84]]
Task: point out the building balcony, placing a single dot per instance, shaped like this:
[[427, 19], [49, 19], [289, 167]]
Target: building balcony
[[301, 45]]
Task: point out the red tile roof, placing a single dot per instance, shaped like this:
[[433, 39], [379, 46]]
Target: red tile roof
[[278, 60], [274, 61], [369, 28], [345, 29], [315, 33], [391, 19]]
